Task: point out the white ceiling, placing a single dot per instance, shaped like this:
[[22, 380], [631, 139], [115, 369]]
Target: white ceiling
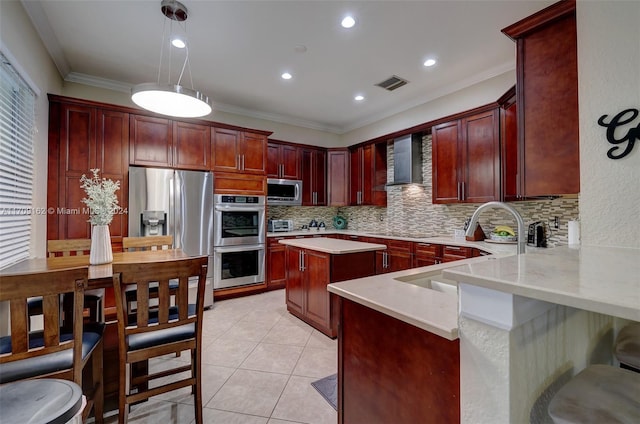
[[239, 49]]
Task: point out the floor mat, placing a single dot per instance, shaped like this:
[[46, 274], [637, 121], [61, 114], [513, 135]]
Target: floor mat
[[328, 388]]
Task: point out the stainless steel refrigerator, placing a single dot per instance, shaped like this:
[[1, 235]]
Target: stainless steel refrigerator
[[177, 203]]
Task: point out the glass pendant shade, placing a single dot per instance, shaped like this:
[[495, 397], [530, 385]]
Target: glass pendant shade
[[172, 100]]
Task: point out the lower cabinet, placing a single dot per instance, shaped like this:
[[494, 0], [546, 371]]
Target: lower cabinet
[[308, 274], [455, 253], [397, 257], [276, 270], [425, 254]]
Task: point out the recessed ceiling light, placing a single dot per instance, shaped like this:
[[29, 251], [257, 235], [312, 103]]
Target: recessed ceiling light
[[429, 62], [286, 76], [348, 21], [359, 98], [179, 43]]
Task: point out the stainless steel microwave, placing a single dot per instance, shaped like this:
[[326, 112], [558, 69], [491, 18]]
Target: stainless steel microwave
[[284, 192]]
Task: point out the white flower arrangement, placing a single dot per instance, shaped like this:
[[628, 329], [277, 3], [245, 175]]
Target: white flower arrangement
[[101, 198]]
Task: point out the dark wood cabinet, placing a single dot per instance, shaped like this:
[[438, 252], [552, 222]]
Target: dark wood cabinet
[[466, 159], [455, 253], [509, 145], [338, 177], [390, 371], [283, 161], [397, 257], [161, 142], [238, 151], [276, 269], [314, 177], [425, 254], [368, 174], [83, 137], [547, 99]]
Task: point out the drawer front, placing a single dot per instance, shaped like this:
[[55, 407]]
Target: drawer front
[[456, 252], [428, 250], [399, 245], [274, 241]]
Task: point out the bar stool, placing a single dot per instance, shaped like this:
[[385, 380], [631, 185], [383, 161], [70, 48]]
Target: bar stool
[[598, 394], [627, 347]]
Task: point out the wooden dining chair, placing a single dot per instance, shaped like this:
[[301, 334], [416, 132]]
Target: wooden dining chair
[[68, 352], [132, 244], [74, 247], [150, 333]]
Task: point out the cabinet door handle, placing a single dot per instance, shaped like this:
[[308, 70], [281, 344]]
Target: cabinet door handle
[[304, 268], [243, 162], [462, 194]]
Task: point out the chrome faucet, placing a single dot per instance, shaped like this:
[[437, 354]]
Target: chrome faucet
[[492, 205]]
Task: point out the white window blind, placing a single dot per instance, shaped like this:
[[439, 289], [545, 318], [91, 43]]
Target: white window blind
[[17, 116]]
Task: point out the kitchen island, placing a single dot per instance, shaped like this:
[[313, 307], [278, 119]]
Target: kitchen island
[[311, 264], [547, 314]]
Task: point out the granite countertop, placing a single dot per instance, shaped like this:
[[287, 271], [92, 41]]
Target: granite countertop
[[600, 279], [332, 245]]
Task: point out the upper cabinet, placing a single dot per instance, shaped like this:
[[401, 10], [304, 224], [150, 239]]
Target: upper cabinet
[[283, 161], [466, 159], [368, 174], [82, 137], [509, 145], [238, 152], [166, 143], [338, 177], [314, 176], [547, 101]]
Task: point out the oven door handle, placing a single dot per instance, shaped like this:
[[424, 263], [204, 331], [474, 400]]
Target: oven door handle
[[238, 248], [238, 208]]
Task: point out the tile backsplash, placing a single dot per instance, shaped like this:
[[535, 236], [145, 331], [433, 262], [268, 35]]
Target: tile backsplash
[[409, 210]]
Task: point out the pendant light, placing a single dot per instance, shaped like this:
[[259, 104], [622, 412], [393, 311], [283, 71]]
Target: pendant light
[[172, 99]]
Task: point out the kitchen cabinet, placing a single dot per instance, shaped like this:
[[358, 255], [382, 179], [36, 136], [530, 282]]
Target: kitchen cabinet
[[397, 257], [283, 161], [275, 266], [466, 159], [390, 371], [338, 177], [456, 253], [426, 254], [161, 142], [238, 151], [314, 170], [509, 146], [83, 136], [368, 174], [547, 99]]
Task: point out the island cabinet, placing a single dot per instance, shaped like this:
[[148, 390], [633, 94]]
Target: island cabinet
[[547, 98], [466, 158], [238, 151], [390, 371], [313, 163], [83, 136], [368, 174], [165, 143], [283, 160], [312, 264]]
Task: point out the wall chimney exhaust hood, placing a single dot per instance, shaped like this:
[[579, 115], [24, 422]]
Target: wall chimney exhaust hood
[[407, 160]]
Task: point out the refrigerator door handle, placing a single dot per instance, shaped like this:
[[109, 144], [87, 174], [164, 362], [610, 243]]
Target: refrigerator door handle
[[171, 227]]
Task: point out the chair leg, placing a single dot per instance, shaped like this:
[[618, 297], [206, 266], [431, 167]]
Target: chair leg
[[123, 390], [195, 358], [98, 384]]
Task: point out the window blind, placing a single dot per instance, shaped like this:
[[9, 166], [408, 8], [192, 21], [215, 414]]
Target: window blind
[[17, 122]]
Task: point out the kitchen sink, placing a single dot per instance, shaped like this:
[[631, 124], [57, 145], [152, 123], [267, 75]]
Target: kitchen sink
[[432, 280]]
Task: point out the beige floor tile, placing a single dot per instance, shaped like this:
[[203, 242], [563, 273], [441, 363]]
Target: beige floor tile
[[277, 421], [273, 358], [250, 392], [248, 330], [158, 411], [228, 352], [285, 333], [300, 402], [216, 416], [321, 341], [315, 362]]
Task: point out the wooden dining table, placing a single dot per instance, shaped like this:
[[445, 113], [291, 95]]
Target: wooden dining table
[[99, 277]]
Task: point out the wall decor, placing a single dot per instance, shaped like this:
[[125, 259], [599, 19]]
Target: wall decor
[[622, 118]]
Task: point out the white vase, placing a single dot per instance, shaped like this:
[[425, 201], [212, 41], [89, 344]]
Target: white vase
[[101, 252]]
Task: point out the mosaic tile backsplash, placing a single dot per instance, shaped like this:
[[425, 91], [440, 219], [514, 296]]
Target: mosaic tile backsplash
[[410, 212]]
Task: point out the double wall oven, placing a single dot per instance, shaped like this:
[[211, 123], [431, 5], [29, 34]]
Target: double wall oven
[[239, 240]]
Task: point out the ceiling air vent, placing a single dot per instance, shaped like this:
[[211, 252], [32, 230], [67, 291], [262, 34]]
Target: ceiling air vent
[[392, 83]]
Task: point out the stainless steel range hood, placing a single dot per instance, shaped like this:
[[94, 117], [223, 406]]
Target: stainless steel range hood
[[407, 160]]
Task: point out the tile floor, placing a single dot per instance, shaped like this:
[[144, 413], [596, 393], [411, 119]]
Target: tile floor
[[258, 362]]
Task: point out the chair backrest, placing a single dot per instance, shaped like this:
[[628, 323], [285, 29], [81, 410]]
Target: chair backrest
[[140, 276], [50, 285], [79, 247], [147, 243]]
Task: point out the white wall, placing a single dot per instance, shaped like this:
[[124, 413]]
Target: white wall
[[21, 41], [609, 82]]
